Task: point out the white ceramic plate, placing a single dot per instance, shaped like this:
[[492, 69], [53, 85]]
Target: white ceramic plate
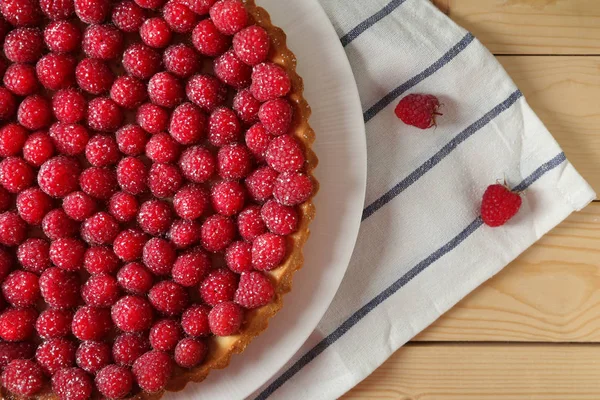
[[341, 148]]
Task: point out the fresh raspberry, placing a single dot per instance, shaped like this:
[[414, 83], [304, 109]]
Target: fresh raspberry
[[38, 148], [131, 175], [100, 228], [15, 351], [195, 320], [104, 115], [67, 253], [6, 200], [190, 268], [276, 116], [197, 164], [184, 233], [190, 352], [150, 4], [60, 289], [181, 60], [223, 127], [53, 323], [206, 91], [17, 324], [155, 32], [135, 278], [56, 71], [6, 263], [246, 106], [55, 354], [217, 232], [91, 323], [164, 180], [225, 319], [250, 223], [269, 81], [72, 384], [155, 217], [153, 370], [35, 112], [128, 16], [284, 154], [255, 290], [165, 334], [260, 183], [24, 45], [21, 289], [131, 140], [100, 183], [114, 382], [100, 259], [21, 12], [69, 139], [190, 202], [231, 70], [21, 79], [8, 104], [79, 206], [102, 150], [57, 9], [219, 286], [280, 219], [159, 255], [292, 188], [239, 257], [128, 347], [59, 176], [128, 92], [33, 255], [57, 224], [69, 106], [165, 90], [33, 205], [162, 148], [418, 110], [93, 356], [129, 244], [179, 17], [268, 251], [92, 11], [62, 36], [132, 314], [234, 161], [12, 139], [252, 45], [23, 377], [94, 76], [141, 61], [228, 197], [15, 174], [123, 206], [187, 124], [13, 230], [499, 205], [229, 16], [208, 40]]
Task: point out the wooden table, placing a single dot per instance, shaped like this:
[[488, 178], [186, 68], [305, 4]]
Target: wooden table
[[533, 331]]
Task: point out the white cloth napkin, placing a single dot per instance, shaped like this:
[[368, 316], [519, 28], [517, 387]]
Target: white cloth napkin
[[422, 246]]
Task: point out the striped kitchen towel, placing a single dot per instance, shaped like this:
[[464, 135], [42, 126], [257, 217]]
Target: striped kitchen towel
[[422, 246]]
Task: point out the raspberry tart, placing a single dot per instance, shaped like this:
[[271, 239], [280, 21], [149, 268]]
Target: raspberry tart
[[156, 191]]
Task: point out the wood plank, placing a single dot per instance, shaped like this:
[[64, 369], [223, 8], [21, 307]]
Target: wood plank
[[530, 26], [485, 372], [550, 293]]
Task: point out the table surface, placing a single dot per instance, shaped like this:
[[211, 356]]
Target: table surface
[[533, 331]]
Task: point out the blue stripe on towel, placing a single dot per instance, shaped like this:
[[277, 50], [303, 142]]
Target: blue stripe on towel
[[369, 22]]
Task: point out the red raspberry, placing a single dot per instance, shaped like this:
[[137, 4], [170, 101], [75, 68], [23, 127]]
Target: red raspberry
[[217, 232], [190, 202], [21, 79], [165, 334], [200, 7], [21, 289], [123, 206], [165, 90], [218, 287], [250, 223], [155, 32], [62, 36], [23, 377], [15, 351], [231, 70], [15, 174], [132, 314], [128, 92], [195, 320], [6, 263], [128, 16], [100, 259], [92, 11], [151, 4], [223, 127], [24, 45], [53, 323], [197, 164], [12, 139], [94, 76], [129, 244], [100, 183], [285, 154], [499, 205], [60, 289], [100, 228], [69, 106], [153, 370], [131, 140], [91, 323], [246, 106], [234, 161], [239, 257], [72, 384], [141, 61], [33, 205], [104, 115], [159, 255], [128, 347], [8, 104], [208, 40], [419, 110], [181, 60], [17, 324], [190, 352], [229, 16], [255, 290], [276, 116], [260, 183], [268, 251], [35, 112], [164, 180], [280, 219], [226, 319], [69, 139], [292, 188], [135, 278], [55, 354], [269, 81], [155, 217], [56, 71], [206, 91], [21, 12], [131, 175], [57, 9], [190, 268], [161, 148], [93, 356], [67, 253], [114, 382], [179, 17], [59, 176], [252, 45], [79, 206], [56, 224], [152, 118], [187, 124], [184, 233], [38, 148], [13, 230], [33, 255], [228, 197], [102, 150]]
